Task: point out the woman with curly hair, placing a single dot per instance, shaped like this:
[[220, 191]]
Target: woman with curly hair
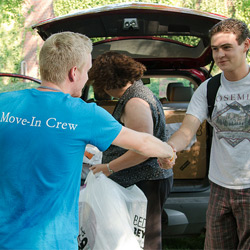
[[137, 108]]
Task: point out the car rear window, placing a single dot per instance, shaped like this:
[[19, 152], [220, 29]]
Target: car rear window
[[166, 89]]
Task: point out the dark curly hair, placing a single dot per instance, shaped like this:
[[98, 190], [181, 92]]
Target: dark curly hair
[[231, 25], [113, 70]]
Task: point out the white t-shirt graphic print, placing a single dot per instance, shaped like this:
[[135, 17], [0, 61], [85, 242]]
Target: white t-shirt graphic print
[[230, 152]]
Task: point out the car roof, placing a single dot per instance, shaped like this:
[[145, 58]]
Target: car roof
[[21, 76], [142, 31]]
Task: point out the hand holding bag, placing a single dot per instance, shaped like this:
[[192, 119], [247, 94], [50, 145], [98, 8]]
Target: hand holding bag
[[111, 217]]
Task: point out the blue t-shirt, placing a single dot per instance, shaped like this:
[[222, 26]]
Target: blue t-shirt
[[42, 138]]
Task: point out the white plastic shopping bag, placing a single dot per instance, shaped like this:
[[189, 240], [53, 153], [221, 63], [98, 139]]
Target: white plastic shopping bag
[[111, 217], [92, 156]]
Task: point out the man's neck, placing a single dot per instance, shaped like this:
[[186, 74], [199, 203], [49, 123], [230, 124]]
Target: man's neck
[[49, 86], [238, 74]]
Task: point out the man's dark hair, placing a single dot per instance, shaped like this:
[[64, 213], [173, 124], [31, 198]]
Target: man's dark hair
[[231, 25]]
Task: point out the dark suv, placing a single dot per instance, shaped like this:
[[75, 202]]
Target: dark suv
[[173, 44]]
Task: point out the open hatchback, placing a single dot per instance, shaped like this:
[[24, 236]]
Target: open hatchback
[[173, 44]]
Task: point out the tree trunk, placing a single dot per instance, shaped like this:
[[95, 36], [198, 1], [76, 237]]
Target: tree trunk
[[198, 5], [34, 12]]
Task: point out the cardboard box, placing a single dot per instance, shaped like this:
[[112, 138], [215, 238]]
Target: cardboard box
[[190, 163], [108, 105]]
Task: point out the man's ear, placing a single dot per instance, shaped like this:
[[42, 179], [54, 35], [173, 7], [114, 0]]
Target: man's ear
[[72, 74], [247, 44]]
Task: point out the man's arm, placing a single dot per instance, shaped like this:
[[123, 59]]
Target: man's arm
[[143, 143], [183, 136]]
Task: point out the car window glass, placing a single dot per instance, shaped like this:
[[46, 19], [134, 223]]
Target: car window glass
[[14, 83], [97, 97], [189, 40], [164, 87], [90, 93]]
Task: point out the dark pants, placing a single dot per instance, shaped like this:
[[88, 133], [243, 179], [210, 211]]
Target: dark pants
[[156, 192]]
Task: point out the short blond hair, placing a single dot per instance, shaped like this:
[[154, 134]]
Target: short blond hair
[[61, 52]]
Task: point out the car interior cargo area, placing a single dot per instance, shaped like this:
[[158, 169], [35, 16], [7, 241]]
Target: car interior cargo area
[[174, 92]]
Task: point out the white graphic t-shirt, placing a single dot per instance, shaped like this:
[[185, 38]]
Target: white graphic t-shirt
[[230, 152]]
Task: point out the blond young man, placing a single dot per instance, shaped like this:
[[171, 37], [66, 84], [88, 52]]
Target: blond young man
[[43, 134], [228, 214]]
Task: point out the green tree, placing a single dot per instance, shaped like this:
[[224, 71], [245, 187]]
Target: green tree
[[11, 23], [12, 20]]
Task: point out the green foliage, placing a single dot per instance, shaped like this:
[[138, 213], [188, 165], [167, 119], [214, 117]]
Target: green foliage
[[11, 84], [233, 8], [12, 29], [154, 86], [11, 24], [62, 7]]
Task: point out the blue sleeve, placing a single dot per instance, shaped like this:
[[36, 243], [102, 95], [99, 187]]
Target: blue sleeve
[[105, 128]]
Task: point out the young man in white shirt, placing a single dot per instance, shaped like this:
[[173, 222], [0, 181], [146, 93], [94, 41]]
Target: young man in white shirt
[[228, 215]]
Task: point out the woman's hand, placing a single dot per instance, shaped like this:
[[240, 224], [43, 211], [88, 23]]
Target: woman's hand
[[100, 168]]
